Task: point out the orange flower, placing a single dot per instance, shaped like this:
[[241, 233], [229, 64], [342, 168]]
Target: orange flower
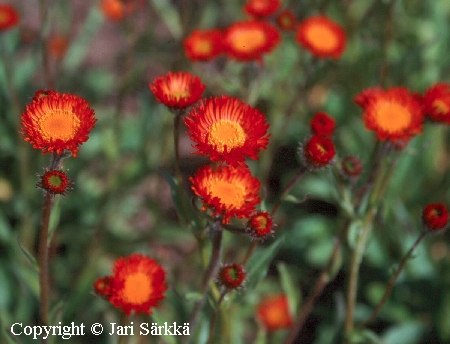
[[54, 182], [274, 314], [177, 90], [137, 284], [260, 225], [322, 37], [435, 217], [227, 191], [317, 152], [57, 46], [248, 40], [113, 9], [227, 130], [232, 276], [55, 122], [437, 102], [286, 20], [203, 45], [9, 17], [261, 8], [394, 114]]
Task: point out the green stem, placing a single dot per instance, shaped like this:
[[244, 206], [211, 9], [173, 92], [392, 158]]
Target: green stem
[[212, 324], [288, 188], [393, 279]]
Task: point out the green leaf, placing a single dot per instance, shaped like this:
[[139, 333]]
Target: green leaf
[[170, 16], [406, 333], [365, 336], [29, 256], [259, 263], [290, 287]]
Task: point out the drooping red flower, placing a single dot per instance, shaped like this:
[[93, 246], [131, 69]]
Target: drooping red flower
[[286, 20], [9, 17], [227, 191], [231, 276], [57, 122], [317, 152], [261, 8], [437, 103], [260, 225], [177, 90], [226, 129], [54, 182], [322, 124], [274, 313], [102, 286], [435, 217], [249, 40], [203, 45], [394, 114], [137, 284], [322, 37]]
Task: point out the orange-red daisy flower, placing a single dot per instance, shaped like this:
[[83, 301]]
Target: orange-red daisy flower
[[177, 90], [137, 284], [227, 191], [261, 8], [274, 313], [317, 152], [260, 225], [322, 37], [436, 103], [286, 20], [9, 17], [231, 276], [203, 45], [435, 217], [57, 122], [56, 182], [394, 114], [249, 40], [226, 129], [322, 124]]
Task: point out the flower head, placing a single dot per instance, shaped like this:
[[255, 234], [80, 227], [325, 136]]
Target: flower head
[[435, 217], [9, 17], [260, 225], [249, 40], [231, 276], [102, 286], [113, 9], [437, 103], [137, 284], [286, 20], [57, 46], [55, 122], [55, 182], [317, 152], [261, 8], [322, 37], [177, 90], [351, 166], [227, 191], [227, 130], [203, 45], [274, 314], [322, 124], [394, 114]]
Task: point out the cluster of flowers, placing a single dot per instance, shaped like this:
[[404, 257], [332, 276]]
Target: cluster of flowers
[[249, 39]]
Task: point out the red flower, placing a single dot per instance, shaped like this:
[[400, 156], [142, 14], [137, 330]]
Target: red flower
[[435, 217], [274, 313], [232, 276], [322, 37], [249, 40], [351, 166], [227, 191], [437, 102], [55, 182], [322, 124], [318, 152], [227, 130], [203, 45], [286, 20], [177, 90], [57, 46], [260, 225], [137, 284], [102, 286], [9, 17], [394, 114], [57, 122], [261, 8]]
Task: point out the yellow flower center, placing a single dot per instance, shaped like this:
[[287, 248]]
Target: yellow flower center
[[248, 40], [137, 288], [392, 117], [203, 47], [322, 37], [177, 89], [4, 17], [230, 194], [55, 181], [226, 133], [440, 106], [58, 125]]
